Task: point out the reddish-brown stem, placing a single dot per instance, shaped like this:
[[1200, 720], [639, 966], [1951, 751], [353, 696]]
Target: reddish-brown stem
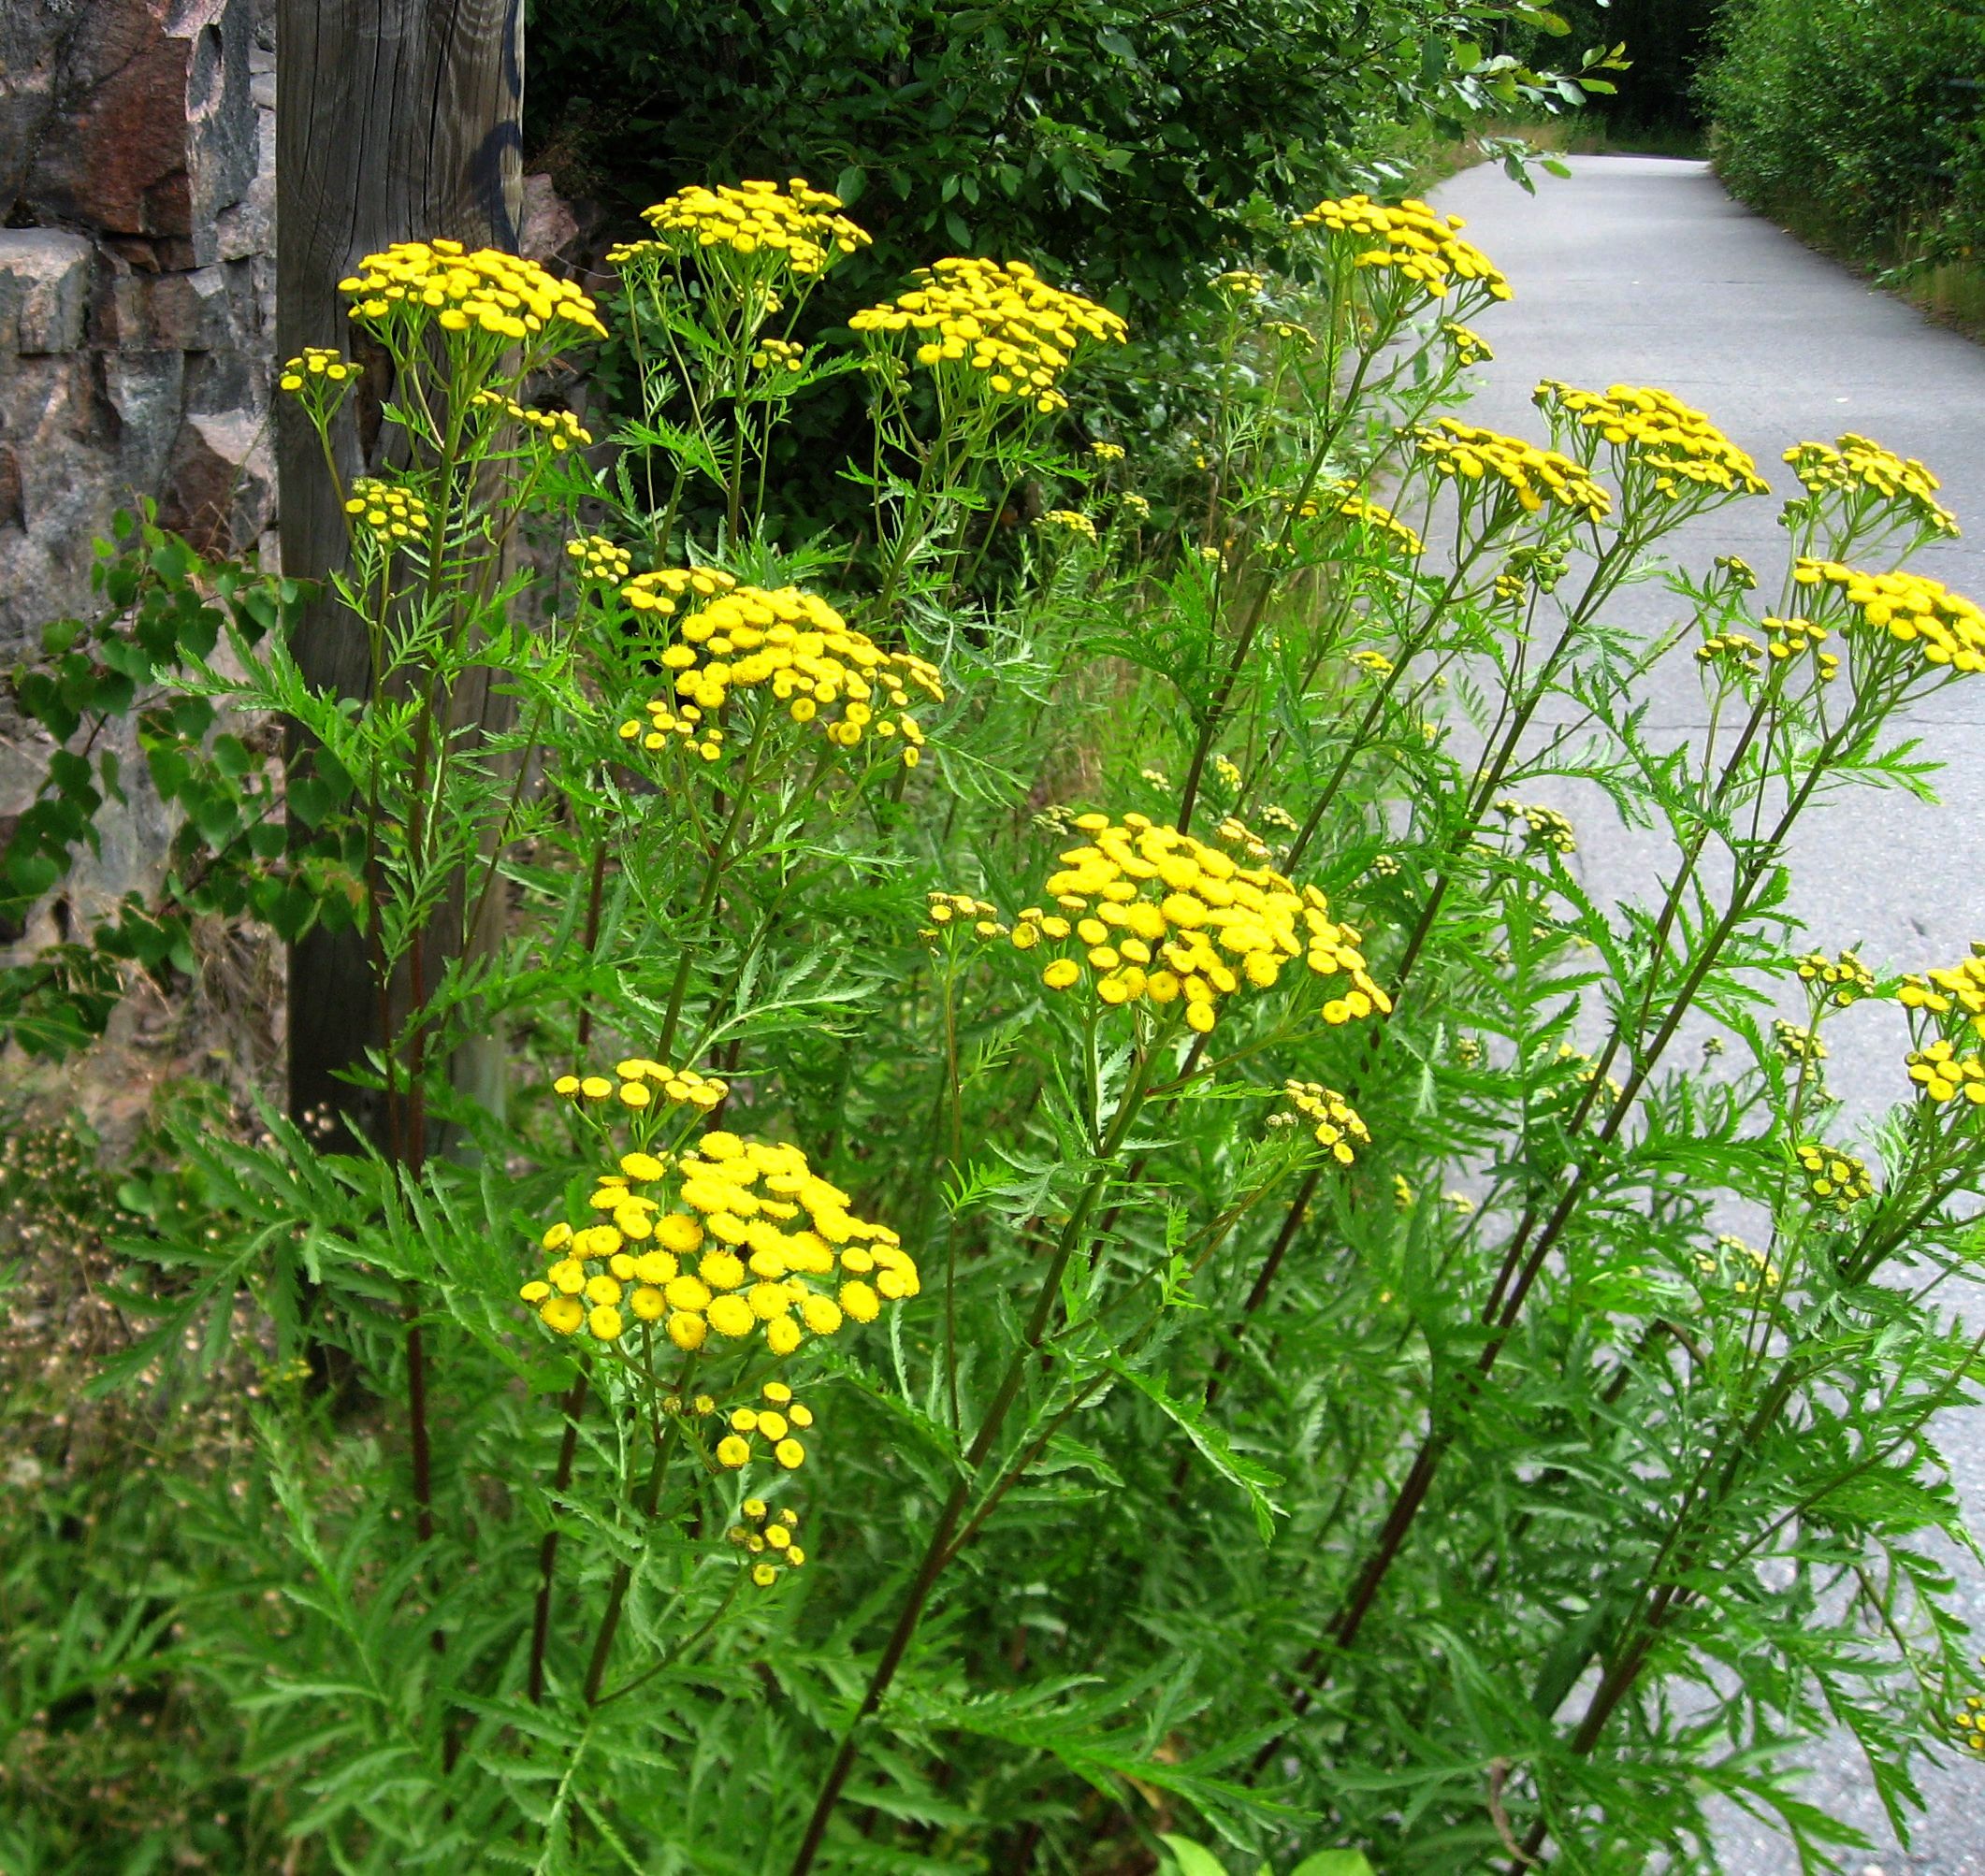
[[573, 1407]]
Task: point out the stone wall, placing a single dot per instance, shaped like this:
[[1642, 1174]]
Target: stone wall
[[137, 283]]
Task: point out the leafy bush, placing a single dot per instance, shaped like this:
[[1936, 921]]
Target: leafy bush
[[1868, 119], [1095, 1242], [1124, 148], [1124, 142]]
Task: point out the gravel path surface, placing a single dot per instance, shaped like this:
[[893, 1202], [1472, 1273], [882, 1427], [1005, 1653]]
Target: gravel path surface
[[1641, 269]]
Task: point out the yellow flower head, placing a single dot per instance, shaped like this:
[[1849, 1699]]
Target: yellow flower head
[[1543, 827], [1106, 453], [778, 355], [1409, 242], [639, 1082], [1858, 466], [795, 647], [1337, 1125], [389, 511], [999, 330], [730, 1238], [662, 591], [1379, 522], [1579, 1074], [1842, 980], [960, 912], [411, 284], [1068, 521], [770, 1430], [1967, 1724], [1942, 1073], [1155, 917], [317, 373], [1535, 476], [767, 1539], [1742, 1267], [1242, 284], [1834, 1178], [1796, 1043], [1947, 629], [599, 558], [1959, 992], [1654, 432], [1730, 652], [1470, 348], [560, 429], [795, 228]]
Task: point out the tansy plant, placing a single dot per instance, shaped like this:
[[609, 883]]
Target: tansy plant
[[1090, 1219]]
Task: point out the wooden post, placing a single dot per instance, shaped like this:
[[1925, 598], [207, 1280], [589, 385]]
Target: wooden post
[[396, 120]]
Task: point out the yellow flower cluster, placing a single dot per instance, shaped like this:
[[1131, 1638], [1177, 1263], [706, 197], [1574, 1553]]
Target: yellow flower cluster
[[1969, 1720], [391, 513], [1069, 522], [1470, 348], [1002, 323], [1737, 650], [1943, 1074], [778, 353], [1160, 916], [1376, 663], [1106, 453], [1411, 240], [1859, 464], [1137, 507], [1744, 1266], [797, 646], [1939, 992], [1291, 330], [599, 558], [315, 361], [1542, 827], [717, 1258], [1840, 981], [1655, 427], [1785, 639], [1949, 627], [559, 428], [1337, 1125], [778, 1422], [948, 908], [1533, 474], [1379, 520], [1585, 1073], [767, 1536], [1242, 284], [485, 291], [660, 591], [796, 225], [637, 1080], [1236, 833], [1796, 1043], [1834, 1178], [1738, 571]]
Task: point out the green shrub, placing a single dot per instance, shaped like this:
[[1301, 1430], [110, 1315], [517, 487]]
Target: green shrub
[[1864, 121], [1095, 1242]]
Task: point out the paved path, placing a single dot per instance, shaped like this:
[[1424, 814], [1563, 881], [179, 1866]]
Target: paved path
[[1641, 269]]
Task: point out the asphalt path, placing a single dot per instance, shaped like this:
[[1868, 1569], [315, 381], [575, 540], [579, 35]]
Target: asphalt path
[[1643, 270]]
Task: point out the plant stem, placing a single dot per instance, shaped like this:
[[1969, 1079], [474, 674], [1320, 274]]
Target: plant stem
[[624, 1571], [573, 1407], [938, 1551]]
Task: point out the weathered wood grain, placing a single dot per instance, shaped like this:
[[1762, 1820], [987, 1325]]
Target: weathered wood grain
[[396, 120]]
